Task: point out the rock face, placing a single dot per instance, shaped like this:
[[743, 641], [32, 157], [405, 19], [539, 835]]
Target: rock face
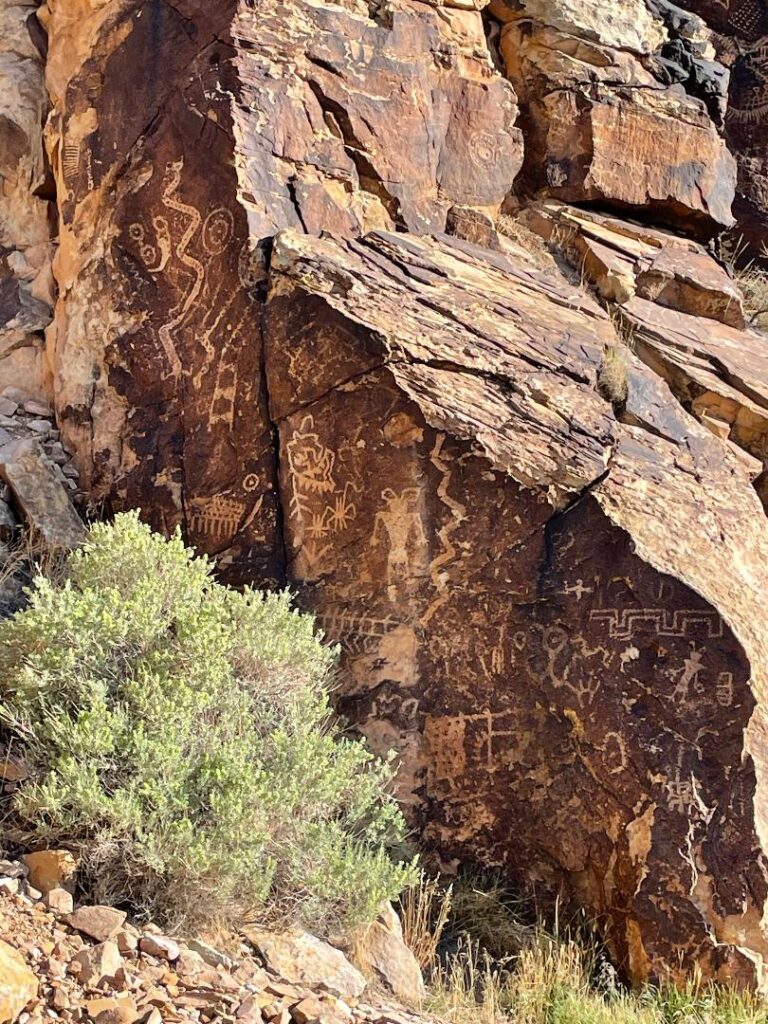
[[741, 28], [600, 107], [512, 575], [539, 547], [156, 348], [26, 284], [392, 117]]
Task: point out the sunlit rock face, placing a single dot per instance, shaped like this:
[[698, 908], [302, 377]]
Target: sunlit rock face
[[609, 116], [741, 38], [547, 590]]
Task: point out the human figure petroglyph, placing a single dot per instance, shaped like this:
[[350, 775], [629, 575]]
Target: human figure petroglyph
[[693, 666], [311, 464], [400, 523], [578, 589], [679, 792]]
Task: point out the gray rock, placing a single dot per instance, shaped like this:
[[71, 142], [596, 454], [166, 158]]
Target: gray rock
[[40, 426]]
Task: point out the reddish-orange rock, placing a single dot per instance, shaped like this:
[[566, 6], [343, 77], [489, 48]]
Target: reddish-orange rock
[[599, 125]]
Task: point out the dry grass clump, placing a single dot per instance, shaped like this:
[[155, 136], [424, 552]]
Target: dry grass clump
[[545, 976], [522, 236], [751, 278], [612, 376]]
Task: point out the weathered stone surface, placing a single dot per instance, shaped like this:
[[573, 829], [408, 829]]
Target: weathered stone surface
[[525, 609], [40, 495], [392, 117], [622, 259], [742, 45], [51, 869], [156, 347], [599, 124], [97, 922], [26, 284], [18, 984], [383, 955], [98, 964], [309, 961]]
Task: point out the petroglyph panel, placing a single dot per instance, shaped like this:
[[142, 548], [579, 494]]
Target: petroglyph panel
[[564, 709], [167, 316]]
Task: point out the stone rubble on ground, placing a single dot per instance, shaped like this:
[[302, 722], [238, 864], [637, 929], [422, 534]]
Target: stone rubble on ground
[[52, 968]]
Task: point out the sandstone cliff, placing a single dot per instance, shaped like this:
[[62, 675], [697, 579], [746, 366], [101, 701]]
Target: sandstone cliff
[[517, 478]]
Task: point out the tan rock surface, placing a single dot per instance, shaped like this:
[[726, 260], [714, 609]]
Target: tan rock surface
[[381, 953], [599, 126], [18, 985], [40, 494], [26, 284], [308, 961], [51, 869]]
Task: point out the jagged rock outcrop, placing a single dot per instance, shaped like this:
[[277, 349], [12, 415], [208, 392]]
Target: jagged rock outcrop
[[526, 613], [541, 549], [600, 109], [718, 372], [741, 28]]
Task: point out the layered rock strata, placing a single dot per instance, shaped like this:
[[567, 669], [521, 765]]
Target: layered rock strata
[[604, 118], [539, 547]]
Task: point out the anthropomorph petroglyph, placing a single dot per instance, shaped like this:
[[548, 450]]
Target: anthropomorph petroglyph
[[400, 525]]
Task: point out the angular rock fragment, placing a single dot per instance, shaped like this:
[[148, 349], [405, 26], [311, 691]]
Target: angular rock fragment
[[309, 961], [97, 922], [39, 495], [18, 984], [552, 615]]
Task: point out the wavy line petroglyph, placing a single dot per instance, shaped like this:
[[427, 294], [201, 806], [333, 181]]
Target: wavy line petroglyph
[[458, 515], [180, 311]]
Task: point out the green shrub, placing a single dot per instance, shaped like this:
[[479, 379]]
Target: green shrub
[[179, 737]]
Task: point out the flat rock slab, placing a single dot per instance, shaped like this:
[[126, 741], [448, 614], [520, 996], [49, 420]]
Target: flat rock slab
[[39, 495], [308, 961]]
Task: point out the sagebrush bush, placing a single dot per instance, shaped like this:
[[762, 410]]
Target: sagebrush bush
[[178, 735]]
